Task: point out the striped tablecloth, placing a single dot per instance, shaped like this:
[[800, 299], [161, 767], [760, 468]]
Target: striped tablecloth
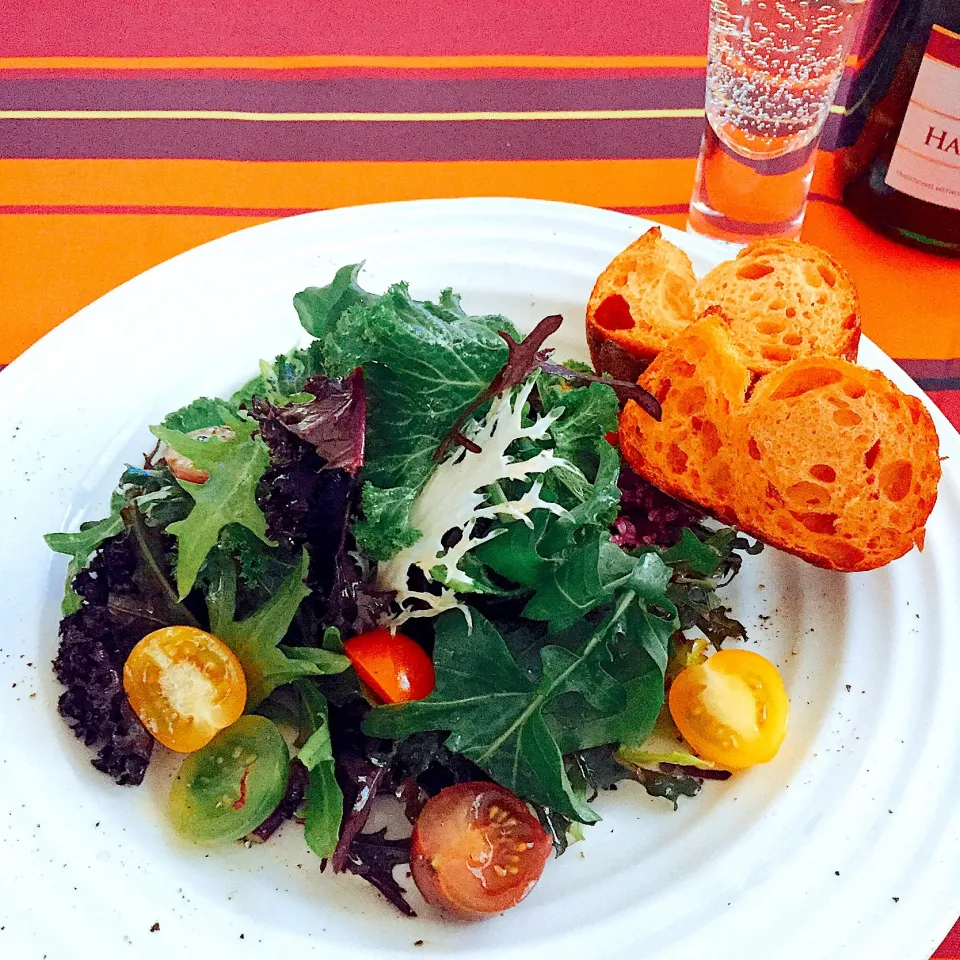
[[132, 131]]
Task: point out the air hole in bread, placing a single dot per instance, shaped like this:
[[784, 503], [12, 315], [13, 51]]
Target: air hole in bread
[[829, 277], [823, 472], [776, 354], [853, 389], [753, 449], [676, 459], [870, 457], [754, 271], [916, 408], [895, 480], [691, 401], [850, 323], [818, 522], [709, 437], [811, 276], [846, 417], [661, 389], [684, 369], [801, 381], [822, 299], [773, 493], [791, 312], [793, 339], [771, 327], [756, 296], [873, 543], [614, 314], [808, 494], [777, 304]]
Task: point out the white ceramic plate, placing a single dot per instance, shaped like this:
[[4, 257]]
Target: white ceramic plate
[[845, 846]]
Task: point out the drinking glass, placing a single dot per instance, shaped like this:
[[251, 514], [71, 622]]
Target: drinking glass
[[773, 68]]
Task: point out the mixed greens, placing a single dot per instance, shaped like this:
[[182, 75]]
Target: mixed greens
[[413, 467]]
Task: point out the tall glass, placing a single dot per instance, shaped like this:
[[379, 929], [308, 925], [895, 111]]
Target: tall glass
[[772, 73]]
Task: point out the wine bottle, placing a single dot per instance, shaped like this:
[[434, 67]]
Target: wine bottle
[[910, 188]]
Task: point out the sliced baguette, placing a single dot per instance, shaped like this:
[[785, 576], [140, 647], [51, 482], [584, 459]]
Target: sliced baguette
[[825, 460], [640, 302], [838, 465], [701, 383], [783, 300]]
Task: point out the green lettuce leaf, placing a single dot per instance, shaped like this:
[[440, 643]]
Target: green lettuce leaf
[[324, 797], [228, 496], [281, 381], [203, 412], [255, 640], [80, 548], [589, 413], [385, 528]]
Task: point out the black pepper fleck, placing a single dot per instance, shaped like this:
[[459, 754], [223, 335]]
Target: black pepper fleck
[[155, 928]]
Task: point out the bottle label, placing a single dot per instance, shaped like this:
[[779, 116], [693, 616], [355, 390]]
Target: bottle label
[[926, 160]]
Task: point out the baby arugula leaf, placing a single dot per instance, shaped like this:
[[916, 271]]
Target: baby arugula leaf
[[495, 712], [228, 496], [255, 639]]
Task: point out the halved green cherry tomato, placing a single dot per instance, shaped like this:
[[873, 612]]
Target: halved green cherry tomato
[[732, 708], [232, 785], [394, 667], [185, 685], [476, 850]]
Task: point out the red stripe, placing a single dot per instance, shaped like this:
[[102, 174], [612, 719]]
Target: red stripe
[[410, 27], [170, 211], [945, 47], [949, 402], [653, 211]]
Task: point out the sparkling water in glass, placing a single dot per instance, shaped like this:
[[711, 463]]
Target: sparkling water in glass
[[772, 73]]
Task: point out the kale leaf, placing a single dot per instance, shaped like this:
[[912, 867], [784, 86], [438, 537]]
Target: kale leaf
[[423, 363]]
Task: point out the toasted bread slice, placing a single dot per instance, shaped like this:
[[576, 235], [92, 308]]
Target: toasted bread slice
[[783, 300], [838, 464], [640, 302], [824, 459], [701, 384]]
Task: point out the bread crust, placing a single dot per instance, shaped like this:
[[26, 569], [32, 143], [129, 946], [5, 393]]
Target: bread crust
[[640, 302]]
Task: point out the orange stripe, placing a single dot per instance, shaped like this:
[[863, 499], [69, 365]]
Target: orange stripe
[[309, 185], [903, 311], [358, 61]]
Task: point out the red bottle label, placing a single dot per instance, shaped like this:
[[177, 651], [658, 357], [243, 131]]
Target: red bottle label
[[926, 160]]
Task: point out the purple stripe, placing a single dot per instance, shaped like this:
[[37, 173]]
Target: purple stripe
[[449, 140], [385, 95], [931, 369]]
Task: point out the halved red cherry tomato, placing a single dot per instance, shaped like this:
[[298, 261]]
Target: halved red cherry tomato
[[477, 849], [394, 667], [182, 467], [185, 685], [732, 708]]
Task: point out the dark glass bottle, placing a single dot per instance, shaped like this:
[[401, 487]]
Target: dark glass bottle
[[910, 188]]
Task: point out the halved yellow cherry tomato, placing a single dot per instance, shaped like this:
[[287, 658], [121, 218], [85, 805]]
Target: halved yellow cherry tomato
[[732, 709], [185, 685]]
